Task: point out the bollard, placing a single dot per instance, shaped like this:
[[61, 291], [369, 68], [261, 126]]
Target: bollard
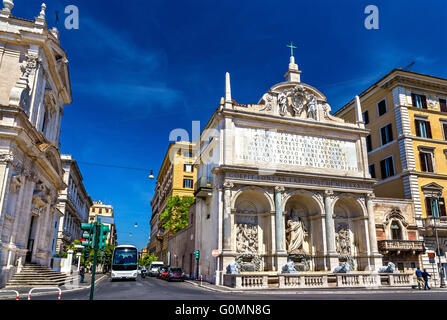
[[49, 288], [16, 292]]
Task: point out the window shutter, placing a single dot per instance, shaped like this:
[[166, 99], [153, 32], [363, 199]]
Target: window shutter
[[383, 169], [383, 135], [429, 158], [424, 102], [428, 129], [391, 165], [418, 129], [423, 163], [444, 127], [428, 206], [390, 132], [366, 117], [443, 105], [442, 208], [413, 99]]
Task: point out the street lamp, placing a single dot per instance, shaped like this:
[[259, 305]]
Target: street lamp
[[151, 176], [441, 269]]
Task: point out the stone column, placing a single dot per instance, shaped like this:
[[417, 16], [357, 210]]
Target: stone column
[[281, 253], [332, 255], [227, 216], [280, 236], [376, 258]]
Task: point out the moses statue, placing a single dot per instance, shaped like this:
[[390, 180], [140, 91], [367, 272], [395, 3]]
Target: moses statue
[[296, 233]]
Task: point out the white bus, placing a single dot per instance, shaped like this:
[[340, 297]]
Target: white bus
[[125, 262]]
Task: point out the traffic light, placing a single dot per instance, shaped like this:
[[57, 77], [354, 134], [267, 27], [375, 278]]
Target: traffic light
[[86, 253], [103, 232], [197, 254], [88, 234]]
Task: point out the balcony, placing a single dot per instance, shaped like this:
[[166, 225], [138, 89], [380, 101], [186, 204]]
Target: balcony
[[398, 246], [204, 187], [439, 223]]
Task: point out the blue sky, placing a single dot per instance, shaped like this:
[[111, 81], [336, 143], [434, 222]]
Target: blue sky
[[141, 68]]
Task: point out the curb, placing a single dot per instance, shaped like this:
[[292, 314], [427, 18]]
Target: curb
[[213, 289], [44, 293]]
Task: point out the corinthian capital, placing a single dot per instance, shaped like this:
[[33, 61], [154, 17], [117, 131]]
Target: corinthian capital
[[279, 189], [370, 196], [228, 185]]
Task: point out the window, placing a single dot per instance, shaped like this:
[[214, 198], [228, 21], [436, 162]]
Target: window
[[434, 207], [412, 265], [187, 183], [386, 134], [372, 171], [366, 117], [443, 105], [419, 101], [396, 233], [381, 108], [187, 154], [387, 167], [100, 210], [188, 168], [426, 161], [368, 143], [423, 129], [444, 129]]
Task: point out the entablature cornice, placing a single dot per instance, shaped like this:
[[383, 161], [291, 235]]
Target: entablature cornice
[[273, 119]]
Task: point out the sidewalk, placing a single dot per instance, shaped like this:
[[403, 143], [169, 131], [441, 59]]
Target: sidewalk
[[223, 289], [68, 287]]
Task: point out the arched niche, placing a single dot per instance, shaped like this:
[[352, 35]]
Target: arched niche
[[351, 234], [303, 224], [251, 220]]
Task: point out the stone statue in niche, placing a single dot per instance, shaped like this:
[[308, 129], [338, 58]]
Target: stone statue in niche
[[295, 233], [247, 238], [282, 102], [343, 242], [312, 108]]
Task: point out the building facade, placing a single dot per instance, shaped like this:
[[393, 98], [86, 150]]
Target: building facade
[[99, 208], [74, 203], [34, 88], [406, 114], [175, 178], [283, 180]]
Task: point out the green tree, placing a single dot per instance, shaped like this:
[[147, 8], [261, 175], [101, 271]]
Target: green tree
[[147, 260], [175, 216]]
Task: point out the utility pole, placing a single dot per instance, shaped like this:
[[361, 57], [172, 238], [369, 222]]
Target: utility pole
[[440, 268]]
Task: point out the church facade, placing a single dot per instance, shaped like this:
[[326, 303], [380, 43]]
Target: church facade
[[283, 180], [34, 88]]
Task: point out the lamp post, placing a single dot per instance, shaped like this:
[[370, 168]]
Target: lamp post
[[441, 269]]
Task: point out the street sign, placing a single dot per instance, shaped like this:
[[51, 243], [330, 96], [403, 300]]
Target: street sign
[[431, 257], [215, 253], [78, 246], [105, 219]]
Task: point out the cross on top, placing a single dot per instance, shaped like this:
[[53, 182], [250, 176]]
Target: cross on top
[[291, 46]]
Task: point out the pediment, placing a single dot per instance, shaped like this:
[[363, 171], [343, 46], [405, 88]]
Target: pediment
[[433, 186]]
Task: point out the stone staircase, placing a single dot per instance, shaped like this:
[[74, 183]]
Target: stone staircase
[[34, 275]]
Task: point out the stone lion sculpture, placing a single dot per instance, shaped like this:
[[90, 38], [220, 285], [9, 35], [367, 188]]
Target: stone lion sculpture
[[344, 268], [233, 268], [389, 268], [289, 268]]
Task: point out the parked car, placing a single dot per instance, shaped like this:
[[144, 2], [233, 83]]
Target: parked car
[[162, 271], [175, 274], [153, 268]]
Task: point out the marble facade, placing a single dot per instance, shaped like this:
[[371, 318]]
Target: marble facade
[[285, 181], [34, 88]]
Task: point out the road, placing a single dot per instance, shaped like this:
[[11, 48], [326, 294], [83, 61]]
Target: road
[[156, 289]]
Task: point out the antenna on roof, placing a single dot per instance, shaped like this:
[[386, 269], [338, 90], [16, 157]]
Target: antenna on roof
[[409, 66]]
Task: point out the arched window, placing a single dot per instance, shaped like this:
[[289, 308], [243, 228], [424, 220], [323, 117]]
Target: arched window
[[396, 232]]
